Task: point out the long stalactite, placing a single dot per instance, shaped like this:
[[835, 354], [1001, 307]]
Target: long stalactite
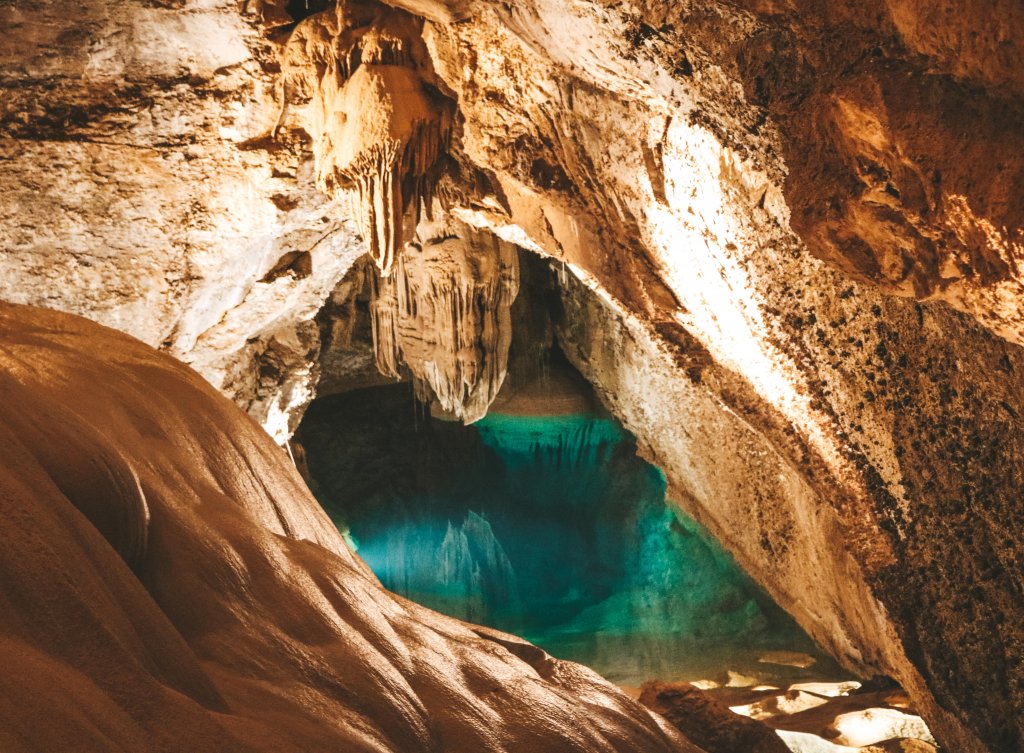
[[359, 81], [444, 314]]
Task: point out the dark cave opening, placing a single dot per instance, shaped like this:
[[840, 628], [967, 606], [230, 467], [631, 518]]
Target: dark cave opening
[[540, 519], [302, 9], [549, 527]]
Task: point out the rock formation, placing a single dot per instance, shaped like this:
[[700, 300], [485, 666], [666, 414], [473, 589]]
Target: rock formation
[[708, 722], [377, 125], [170, 584], [141, 187], [444, 314], [833, 717], [797, 229]]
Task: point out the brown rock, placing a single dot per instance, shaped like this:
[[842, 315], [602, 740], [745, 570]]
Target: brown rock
[[708, 723], [170, 584], [903, 745], [797, 227], [444, 315], [360, 74]]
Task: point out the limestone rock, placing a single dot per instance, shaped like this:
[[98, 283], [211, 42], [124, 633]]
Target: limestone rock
[[348, 359], [244, 622], [360, 74], [140, 187], [904, 745], [619, 144], [822, 718], [799, 226], [708, 723], [902, 139], [791, 701], [444, 314], [862, 728]]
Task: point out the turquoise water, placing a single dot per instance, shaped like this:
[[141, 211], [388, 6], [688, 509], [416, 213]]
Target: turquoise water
[[549, 527]]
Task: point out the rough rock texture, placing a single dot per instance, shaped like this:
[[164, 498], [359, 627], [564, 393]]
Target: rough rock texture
[[348, 358], [707, 722], [858, 451], [170, 584], [459, 330], [833, 717], [839, 441], [900, 126], [140, 188], [860, 719], [787, 522], [361, 75]]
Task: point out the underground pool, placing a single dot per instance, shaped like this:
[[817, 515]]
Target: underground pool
[[551, 527]]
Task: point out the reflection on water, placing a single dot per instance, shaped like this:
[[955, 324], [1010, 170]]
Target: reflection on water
[[549, 527]]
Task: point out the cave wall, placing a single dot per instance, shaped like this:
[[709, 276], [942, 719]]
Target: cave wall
[[141, 189], [889, 438], [912, 619]]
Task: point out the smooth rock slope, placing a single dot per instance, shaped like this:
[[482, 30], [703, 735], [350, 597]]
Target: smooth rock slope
[[170, 584]]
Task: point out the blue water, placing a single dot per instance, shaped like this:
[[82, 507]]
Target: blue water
[[552, 528]]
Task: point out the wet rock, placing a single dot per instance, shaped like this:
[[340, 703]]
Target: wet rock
[[242, 621], [708, 723]]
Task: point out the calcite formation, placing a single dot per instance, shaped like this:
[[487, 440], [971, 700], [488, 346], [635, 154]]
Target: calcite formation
[[361, 75], [170, 584], [444, 315], [820, 716], [796, 227]]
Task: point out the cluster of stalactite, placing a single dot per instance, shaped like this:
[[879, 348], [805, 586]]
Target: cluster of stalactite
[[445, 314], [358, 79]]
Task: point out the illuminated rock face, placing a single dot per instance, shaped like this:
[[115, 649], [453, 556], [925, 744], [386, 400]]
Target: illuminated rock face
[[902, 167], [848, 420], [444, 315], [361, 76], [140, 189]]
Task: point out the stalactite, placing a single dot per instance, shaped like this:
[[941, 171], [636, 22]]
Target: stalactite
[[379, 127], [444, 314]]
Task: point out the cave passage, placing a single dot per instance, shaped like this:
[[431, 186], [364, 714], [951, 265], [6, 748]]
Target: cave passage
[[550, 527]]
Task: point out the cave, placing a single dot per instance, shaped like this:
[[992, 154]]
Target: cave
[[541, 520], [430, 376], [544, 526]]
